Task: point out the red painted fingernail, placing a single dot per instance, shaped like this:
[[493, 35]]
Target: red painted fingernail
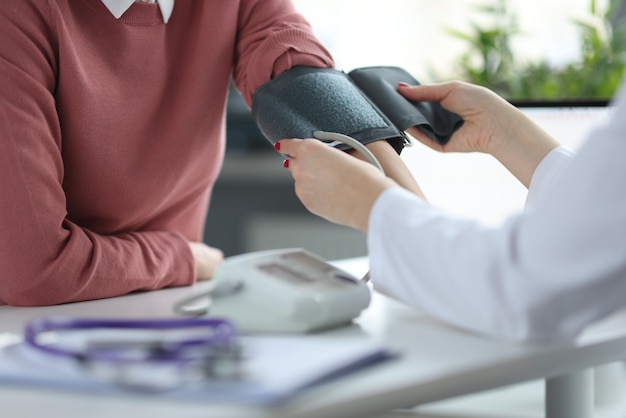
[[403, 84], [277, 146], [286, 163]]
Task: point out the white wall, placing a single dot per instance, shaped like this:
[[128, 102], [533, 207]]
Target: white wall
[[411, 33]]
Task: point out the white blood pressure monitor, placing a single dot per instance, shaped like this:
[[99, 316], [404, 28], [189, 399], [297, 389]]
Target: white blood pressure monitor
[[287, 290]]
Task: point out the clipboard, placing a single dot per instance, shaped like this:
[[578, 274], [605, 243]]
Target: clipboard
[[277, 368]]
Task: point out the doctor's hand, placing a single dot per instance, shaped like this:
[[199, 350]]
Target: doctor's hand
[[207, 259], [331, 183], [483, 113], [491, 125]]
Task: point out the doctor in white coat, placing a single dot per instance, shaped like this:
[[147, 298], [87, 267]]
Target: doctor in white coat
[[543, 275]]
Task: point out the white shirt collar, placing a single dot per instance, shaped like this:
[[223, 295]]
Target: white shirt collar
[[119, 7]]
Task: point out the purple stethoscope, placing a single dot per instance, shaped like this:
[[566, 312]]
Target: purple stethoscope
[[210, 351]]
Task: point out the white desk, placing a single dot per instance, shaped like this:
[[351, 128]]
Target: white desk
[[437, 362]]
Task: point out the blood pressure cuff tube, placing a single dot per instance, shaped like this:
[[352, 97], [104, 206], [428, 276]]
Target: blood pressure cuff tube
[[363, 104]]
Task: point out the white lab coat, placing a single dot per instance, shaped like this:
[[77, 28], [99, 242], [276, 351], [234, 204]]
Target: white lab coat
[[544, 274]]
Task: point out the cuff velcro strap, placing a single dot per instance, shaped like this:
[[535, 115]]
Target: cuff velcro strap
[[380, 84]]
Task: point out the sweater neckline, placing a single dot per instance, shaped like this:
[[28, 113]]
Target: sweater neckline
[[137, 13], [143, 14]]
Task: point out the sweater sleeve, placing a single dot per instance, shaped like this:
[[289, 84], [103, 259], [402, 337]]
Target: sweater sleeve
[[272, 38], [45, 258], [545, 274]]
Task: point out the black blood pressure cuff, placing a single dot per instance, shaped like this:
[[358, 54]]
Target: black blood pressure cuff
[[381, 86], [363, 104]]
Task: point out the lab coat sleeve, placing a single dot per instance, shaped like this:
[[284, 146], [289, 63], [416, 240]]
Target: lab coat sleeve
[[548, 170], [544, 274]]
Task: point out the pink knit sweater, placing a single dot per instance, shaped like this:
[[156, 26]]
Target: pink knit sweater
[[112, 135]]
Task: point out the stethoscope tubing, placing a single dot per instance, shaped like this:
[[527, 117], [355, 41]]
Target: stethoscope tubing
[[222, 333]]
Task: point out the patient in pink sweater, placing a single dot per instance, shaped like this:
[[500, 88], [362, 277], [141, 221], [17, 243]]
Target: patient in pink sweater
[[112, 129]]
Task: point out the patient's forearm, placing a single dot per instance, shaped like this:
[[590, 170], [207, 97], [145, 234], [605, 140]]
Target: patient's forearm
[[394, 166]]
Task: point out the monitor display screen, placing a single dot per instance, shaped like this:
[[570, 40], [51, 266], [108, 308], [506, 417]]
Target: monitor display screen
[[570, 121]]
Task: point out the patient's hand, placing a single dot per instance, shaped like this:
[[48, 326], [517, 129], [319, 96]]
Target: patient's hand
[[207, 259]]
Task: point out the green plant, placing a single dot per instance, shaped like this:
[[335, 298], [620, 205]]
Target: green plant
[[490, 61]]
